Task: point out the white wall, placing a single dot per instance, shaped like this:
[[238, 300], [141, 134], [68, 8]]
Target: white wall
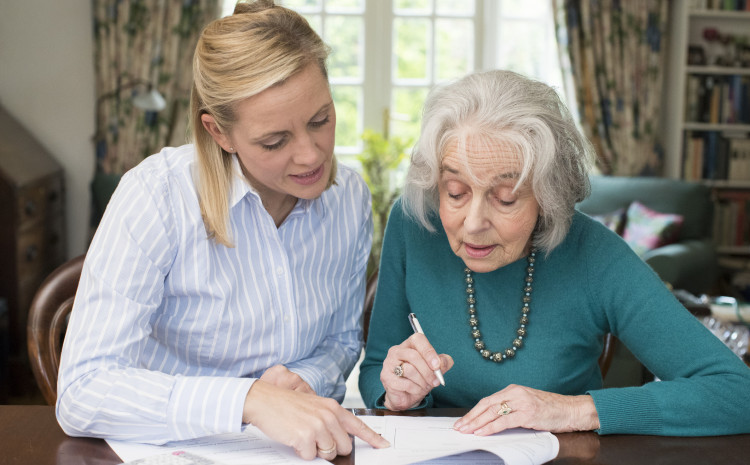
[[47, 84]]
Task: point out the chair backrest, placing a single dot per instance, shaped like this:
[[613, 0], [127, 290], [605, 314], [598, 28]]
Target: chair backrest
[[372, 285], [47, 322], [605, 359], [691, 200]]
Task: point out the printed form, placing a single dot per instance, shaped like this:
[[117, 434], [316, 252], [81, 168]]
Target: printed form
[[433, 440], [250, 447], [413, 440]]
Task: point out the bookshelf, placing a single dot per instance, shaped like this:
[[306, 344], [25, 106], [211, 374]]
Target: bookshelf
[[707, 126]]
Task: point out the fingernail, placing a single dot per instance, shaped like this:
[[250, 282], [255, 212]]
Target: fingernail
[[435, 382], [458, 425], [463, 428], [435, 364], [479, 432]]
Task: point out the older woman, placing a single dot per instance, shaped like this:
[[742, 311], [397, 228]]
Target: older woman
[[211, 296], [515, 290]]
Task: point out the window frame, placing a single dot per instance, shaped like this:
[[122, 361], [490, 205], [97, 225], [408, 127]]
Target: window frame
[[377, 81]]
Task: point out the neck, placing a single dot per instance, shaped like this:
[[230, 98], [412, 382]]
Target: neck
[[280, 208], [277, 204]]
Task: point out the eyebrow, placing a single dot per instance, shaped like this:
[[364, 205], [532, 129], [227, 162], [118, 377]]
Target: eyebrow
[[258, 139], [498, 178]]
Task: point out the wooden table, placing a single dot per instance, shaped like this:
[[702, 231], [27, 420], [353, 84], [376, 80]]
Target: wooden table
[[30, 435]]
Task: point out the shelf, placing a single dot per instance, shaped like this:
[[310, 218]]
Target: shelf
[[731, 203], [692, 126], [734, 249], [726, 184], [720, 14], [718, 70]]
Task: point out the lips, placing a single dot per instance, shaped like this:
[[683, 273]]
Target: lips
[[311, 177], [478, 251]]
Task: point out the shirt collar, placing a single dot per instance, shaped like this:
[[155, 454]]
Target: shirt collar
[[240, 189]]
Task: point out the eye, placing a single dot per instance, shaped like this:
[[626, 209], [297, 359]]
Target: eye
[[505, 196], [275, 145], [319, 123], [455, 196], [505, 200]]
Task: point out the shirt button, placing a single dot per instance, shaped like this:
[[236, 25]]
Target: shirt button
[[286, 317], [279, 270]]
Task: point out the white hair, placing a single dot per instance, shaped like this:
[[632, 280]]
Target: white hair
[[504, 109]]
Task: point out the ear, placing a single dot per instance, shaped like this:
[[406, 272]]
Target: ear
[[209, 123]]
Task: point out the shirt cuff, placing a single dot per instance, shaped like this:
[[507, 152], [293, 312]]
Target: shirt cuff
[[310, 375], [204, 405], [316, 377]]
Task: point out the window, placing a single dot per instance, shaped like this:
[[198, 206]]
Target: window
[[387, 54]]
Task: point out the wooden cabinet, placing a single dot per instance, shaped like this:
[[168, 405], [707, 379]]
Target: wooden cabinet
[[32, 234]]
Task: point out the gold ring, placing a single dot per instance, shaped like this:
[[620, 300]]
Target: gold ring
[[399, 370], [327, 451], [504, 409]]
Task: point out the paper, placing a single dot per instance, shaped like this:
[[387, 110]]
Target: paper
[[419, 439], [250, 447]]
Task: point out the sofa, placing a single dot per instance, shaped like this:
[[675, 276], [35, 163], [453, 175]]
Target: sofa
[[688, 261]]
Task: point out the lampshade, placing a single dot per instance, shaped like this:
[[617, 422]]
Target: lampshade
[[149, 101]]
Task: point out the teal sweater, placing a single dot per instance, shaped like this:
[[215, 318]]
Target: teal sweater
[[588, 286]]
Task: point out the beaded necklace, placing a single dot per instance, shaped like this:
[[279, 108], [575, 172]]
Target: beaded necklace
[[510, 352]]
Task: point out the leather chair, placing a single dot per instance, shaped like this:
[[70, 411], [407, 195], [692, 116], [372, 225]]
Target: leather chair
[[47, 322], [605, 359]]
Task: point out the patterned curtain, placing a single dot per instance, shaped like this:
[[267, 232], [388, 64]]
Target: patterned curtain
[[616, 50], [140, 45]]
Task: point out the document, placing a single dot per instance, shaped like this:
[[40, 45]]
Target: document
[[250, 447], [433, 440]]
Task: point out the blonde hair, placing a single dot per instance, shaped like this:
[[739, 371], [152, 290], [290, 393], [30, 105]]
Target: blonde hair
[[237, 57]]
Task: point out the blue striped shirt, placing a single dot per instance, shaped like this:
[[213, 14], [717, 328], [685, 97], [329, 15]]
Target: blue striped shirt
[[169, 329]]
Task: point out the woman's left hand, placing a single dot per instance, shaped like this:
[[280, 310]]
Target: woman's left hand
[[280, 376], [524, 407]]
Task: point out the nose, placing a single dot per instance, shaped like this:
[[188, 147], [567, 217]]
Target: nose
[[477, 218], [306, 151]]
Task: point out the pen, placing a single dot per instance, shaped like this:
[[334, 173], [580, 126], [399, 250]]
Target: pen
[[418, 329]]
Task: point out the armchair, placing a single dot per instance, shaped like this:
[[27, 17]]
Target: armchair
[[690, 262]]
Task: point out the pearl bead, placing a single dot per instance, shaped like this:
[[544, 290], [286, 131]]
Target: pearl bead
[[474, 319]]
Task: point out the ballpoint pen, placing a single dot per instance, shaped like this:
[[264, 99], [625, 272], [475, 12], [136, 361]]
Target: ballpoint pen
[[418, 329]]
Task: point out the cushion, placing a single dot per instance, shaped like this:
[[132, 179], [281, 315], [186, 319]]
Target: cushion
[[647, 229], [615, 220]]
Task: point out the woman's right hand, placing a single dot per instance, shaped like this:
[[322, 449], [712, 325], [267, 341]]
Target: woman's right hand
[[418, 361], [280, 376], [310, 424]]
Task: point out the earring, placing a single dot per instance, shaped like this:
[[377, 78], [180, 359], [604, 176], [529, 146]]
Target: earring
[[231, 150]]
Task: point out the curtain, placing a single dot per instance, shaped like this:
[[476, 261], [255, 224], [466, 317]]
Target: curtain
[[141, 45], [616, 51]]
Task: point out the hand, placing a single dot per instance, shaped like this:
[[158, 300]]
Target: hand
[[280, 376], [530, 408], [418, 360], [311, 425]]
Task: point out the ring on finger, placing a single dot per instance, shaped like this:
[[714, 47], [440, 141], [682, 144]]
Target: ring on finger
[[504, 409], [328, 451], [398, 370]]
